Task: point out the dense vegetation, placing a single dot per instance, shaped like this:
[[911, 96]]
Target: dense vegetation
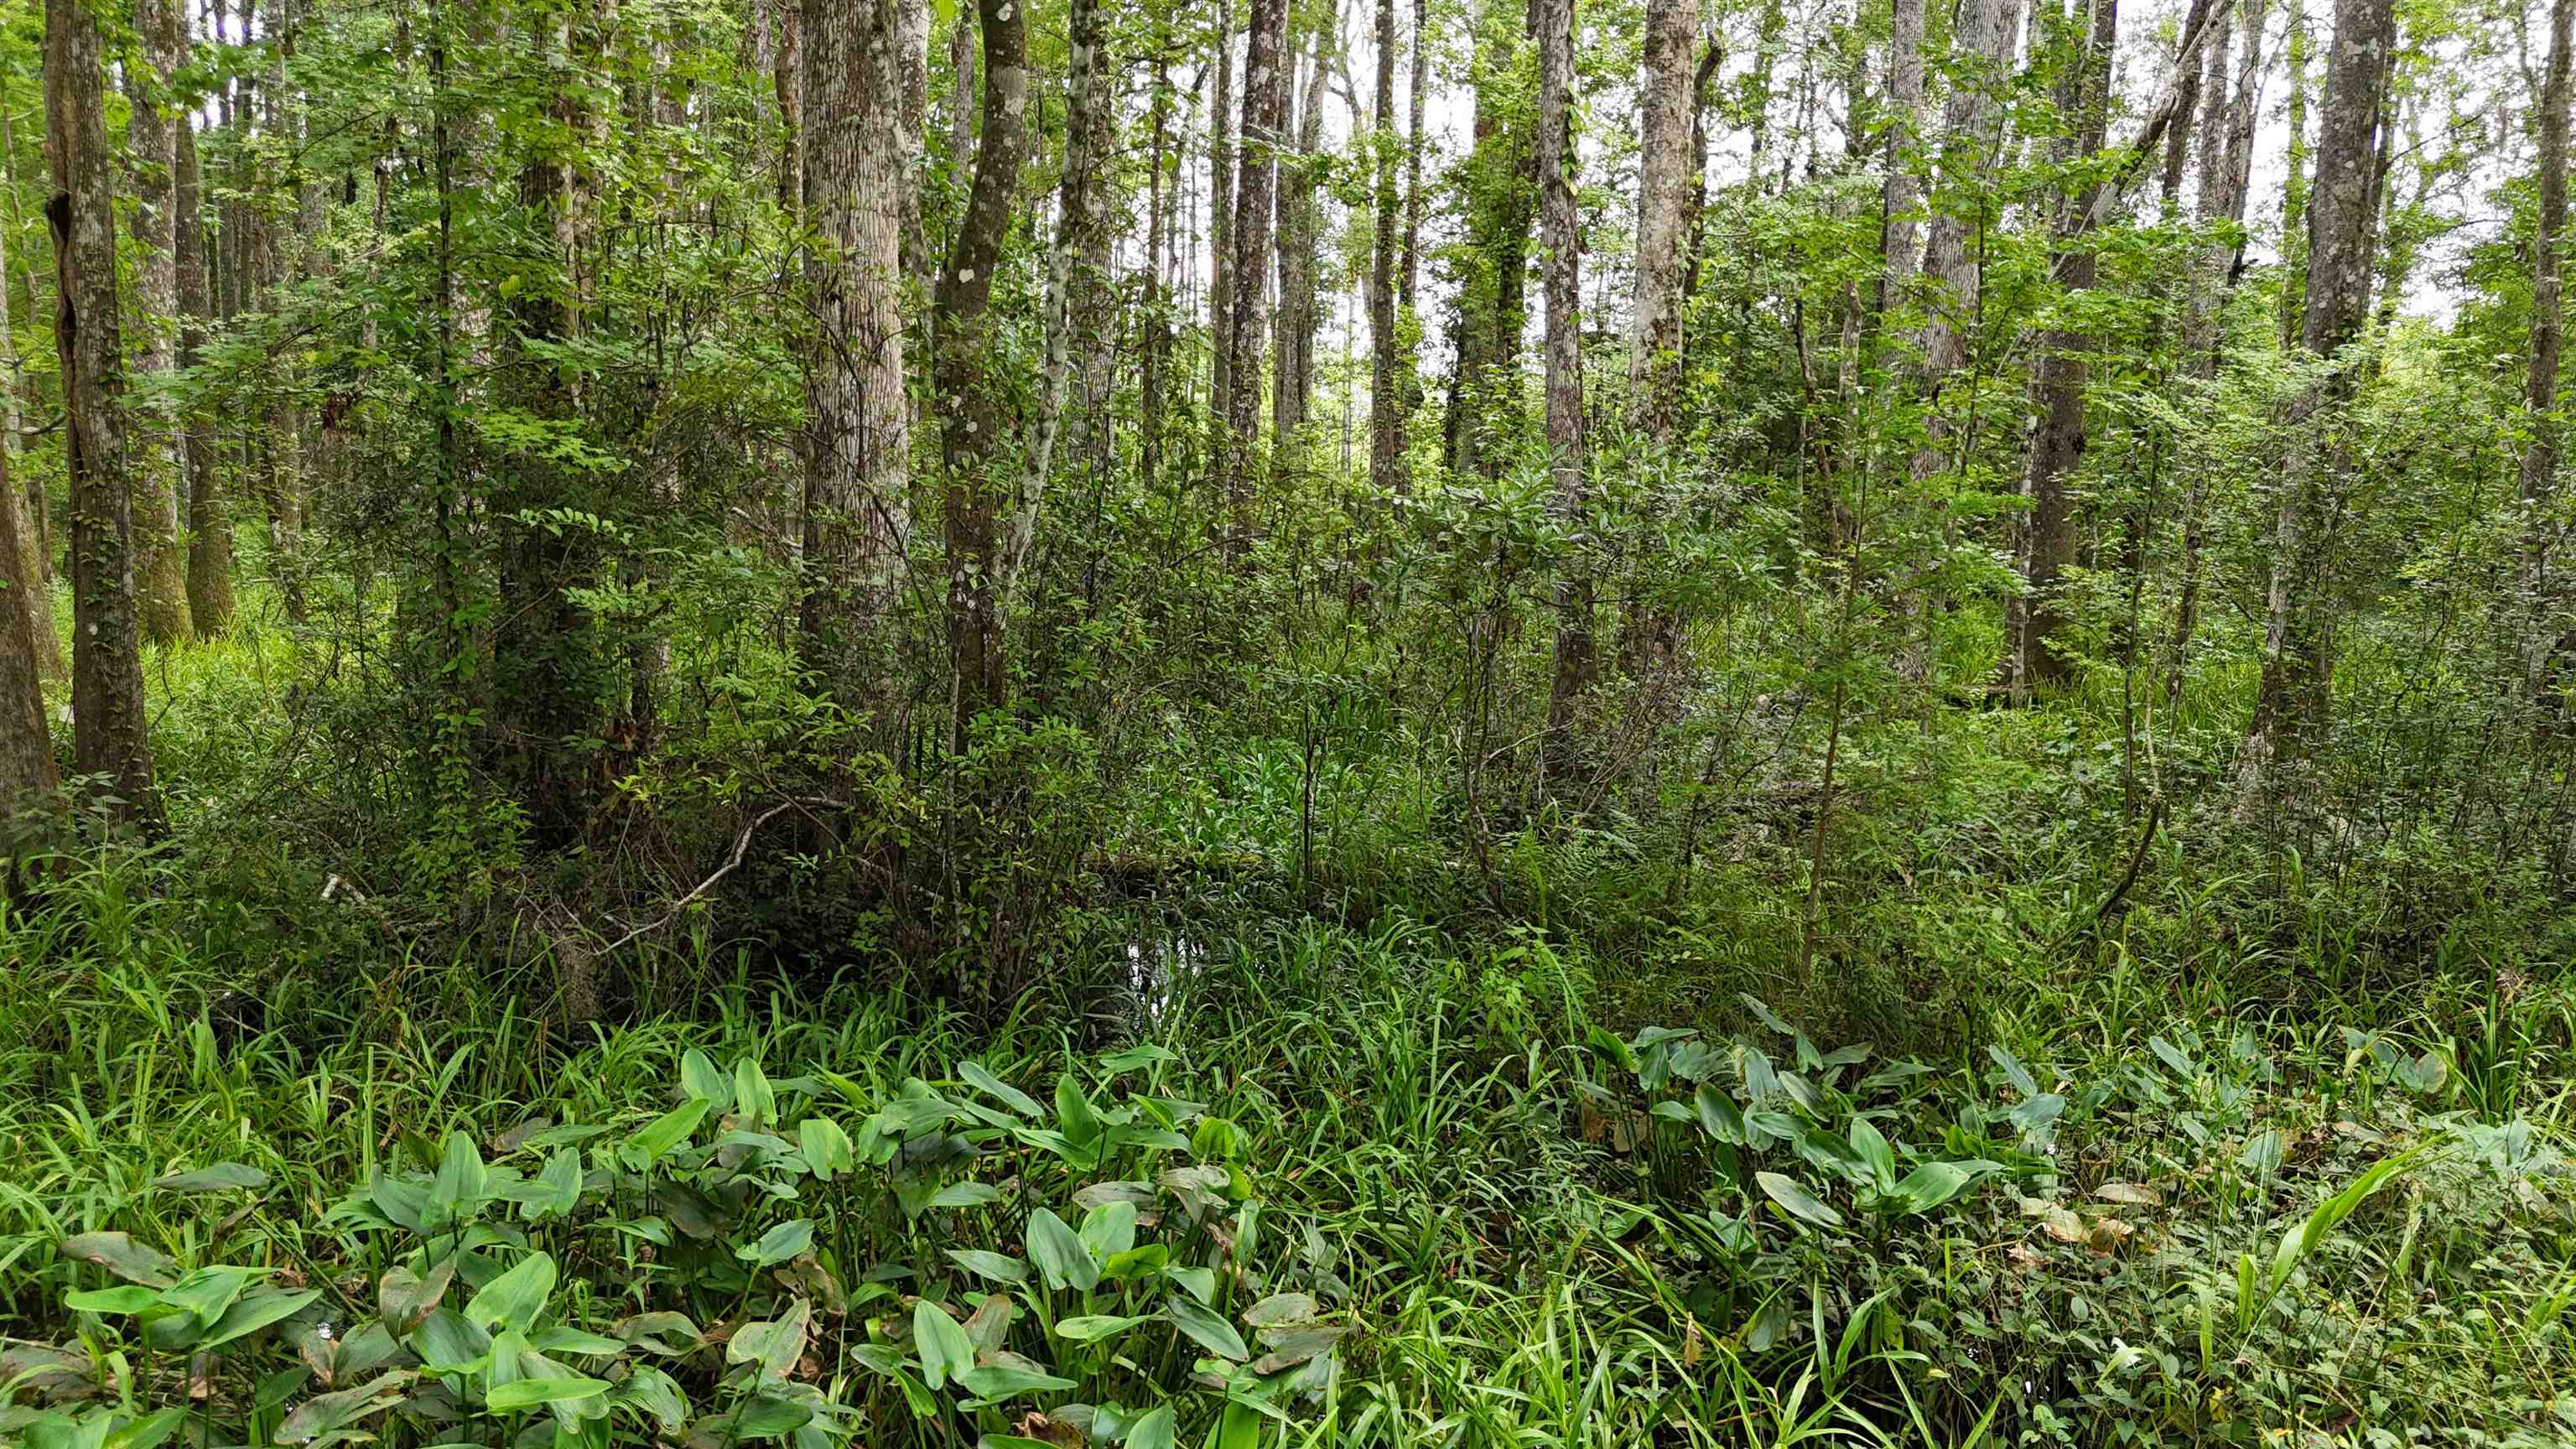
[[1581, 722]]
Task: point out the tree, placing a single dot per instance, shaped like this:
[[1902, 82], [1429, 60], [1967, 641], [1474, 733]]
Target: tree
[[1562, 240], [154, 115], [1665, 165], [2538, 470], [857, 441], [1073, 269], [1301, 228], [109, 737], [2294, 700], [211, 602], [1266, 70], [1387, 404], [1980, 54], [27, 536], [979, 421]]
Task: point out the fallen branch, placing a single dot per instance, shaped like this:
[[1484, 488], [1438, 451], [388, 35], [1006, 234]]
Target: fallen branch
[[741, 843]]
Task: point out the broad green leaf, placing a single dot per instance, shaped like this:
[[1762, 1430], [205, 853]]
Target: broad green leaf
[[941, 1344], [1074, 1114], [1008, 1381], [1873, 1149], [528, 1393], [1093, 1327], [658, 1137], [132, 1298], [1793, 1197], [1932, 1185], [205, 1293], [1060, 1254], [1281, 1308], [127, 1259], [826, 1147], [559, 1187], [999, 1267], [975, 1075], [222, 1177], [514, 1299], [403, 1298], [702, 1079], [458, 1188], [1289, 1347], [775, 1344], [779, 1244], [752, 1095], [255, 1312], [1155, 1430], [323, 1414], [965, 1194], [1205, 1327]]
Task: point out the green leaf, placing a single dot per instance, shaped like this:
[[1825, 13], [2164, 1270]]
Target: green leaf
[[528, 1393], [404, 1298], [700, 1078], [1205, 1328], [965, 1194], [1156, 1430], [1143, 1054], [657, 1137], [132, 1298], [1281, 1308], [1932, 1185], [1093, 1327], [752, 1094], [205, 1293], [559, 1184], [997, 1266], [780, 1243], [324, 1414], [1293, 1346], [127, 1259], [1874, 1150], [1801, 1204], [255, 1312], [1060, 1254], [826, 1147], [775, 1344], [2014, 1072], [941, 1343], [222, 1177], [514, 1299], [458, 1188], [975, 1075], [1008, 1380], [1074, 1115]]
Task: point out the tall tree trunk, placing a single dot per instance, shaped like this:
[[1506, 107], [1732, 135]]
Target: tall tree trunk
[[1561, 236], [2226, 169], [858, 417], [1082, 221], [977, 418], [1410, 267], [1981, 44], [1900, 243], [1157, 327], [2036, 617], [2294, 701], [1501, 201], [211, 604], [1266, 72], [32, 540], [1665, 167], [2294, 181], [1221, 183], [2545, 594], [109, 732], [788, 82], [1300, 232], [27, 772], [1387, 407], [162, 593]]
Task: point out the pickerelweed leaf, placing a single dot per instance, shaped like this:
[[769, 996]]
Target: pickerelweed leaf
[[1093, 1327], [1205, 1327], [940, 1343], [514, 1299], [256, 1311], [1793, 1197], [127, 1259], [975, 1075], [774, 1344], [1281, 1308], [1059, 1252], [1155, 1430], [530, 1392], [999, 1267], [1289, 1347], [779, 1244], [1008, 1381], [222, 1177]]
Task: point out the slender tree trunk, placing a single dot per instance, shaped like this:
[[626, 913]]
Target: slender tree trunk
[[27, 772], [788, 81], [1387, 407], [1971, 131], [1561, 235], [2294, 701], [1267, 63], [1300, 232], [1221, 183], [211, 604], [2226, 165], [1410, 267], [2545, 594], [162, 595], [1156, 326], [32, 540], [1665, 168], [1901, 241], [109, 734], [977, 419], [2036, 617], [1081, 221], [2294, 181], [858, 417]]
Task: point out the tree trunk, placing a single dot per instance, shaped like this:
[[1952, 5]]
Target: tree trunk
[[27, 772], [1221, 181], [2294, 181], [2226, 163], [1665, 167], [2035, 617], [1953, 265], [1157, 327], [1561, 237], [211, 604], [1073, 286], [977, 418], [109, 734], [1387, 407], [788, 81], [162, 597], [858, 415], [31, 540], [2544, 594], [1300, 232], [1900, 242], [2294, 701], [1266, 66]]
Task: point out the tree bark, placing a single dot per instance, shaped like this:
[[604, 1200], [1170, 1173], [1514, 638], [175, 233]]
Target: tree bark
[[2294, 701], [109, 731], [2544, 594], [1665, 167], [1901, 240], [1300, 232], [977, 418], [858, 416], [1387, 407], [32, 540], [1074, 285], [2036, 617], [1221, 182], [211, 602], [1981, 44], [1561, 236], [27, 772], [162, 598], [1266, 73]]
